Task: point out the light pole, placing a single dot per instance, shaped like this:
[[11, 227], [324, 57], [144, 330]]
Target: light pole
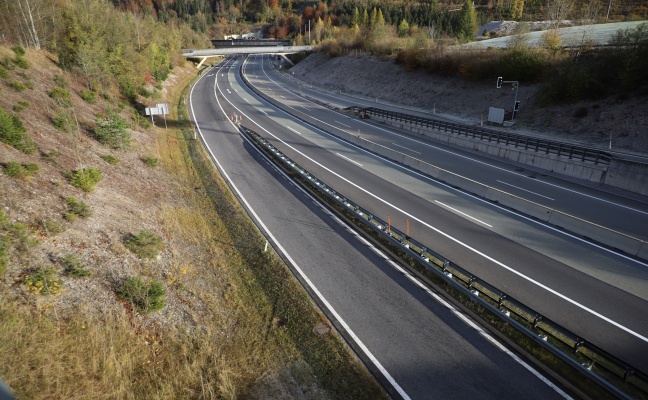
[[516, 85]]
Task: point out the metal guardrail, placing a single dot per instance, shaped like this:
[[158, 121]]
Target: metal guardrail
[[590, 360], [509, 139]]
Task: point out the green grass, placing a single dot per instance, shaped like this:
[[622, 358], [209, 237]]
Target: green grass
[[145, 244], [146, 297]]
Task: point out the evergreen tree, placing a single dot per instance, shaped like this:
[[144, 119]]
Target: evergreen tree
[[365, 19], [403, 28], [355, 18], [468, 21], [380, 20], [517, 9]]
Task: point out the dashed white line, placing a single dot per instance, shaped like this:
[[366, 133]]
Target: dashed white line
[[228, 91], [525, 190], [406, 148], [293, 130], [463, 213], [342, 124], [348, 159]]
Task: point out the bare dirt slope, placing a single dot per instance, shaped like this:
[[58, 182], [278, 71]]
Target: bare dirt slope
[[469, 101]]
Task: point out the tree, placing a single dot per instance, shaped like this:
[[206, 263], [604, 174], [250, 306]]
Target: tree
[[355, 18], [558, 10], [517, 9], [468, 20], [403, 28]]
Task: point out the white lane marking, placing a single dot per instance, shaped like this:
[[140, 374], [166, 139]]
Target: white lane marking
[[337, 316], [342, 124], [348, 159], [306, 108], [281, 96], [519, 188], [448, 236], [293, 130], [236, 90], [262, 111], [228, 91], [246, 100], [463, 213], [409, 170], [222, 74], [406, 148]]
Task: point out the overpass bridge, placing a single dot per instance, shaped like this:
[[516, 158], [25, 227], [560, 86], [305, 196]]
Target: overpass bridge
[[208, 53]]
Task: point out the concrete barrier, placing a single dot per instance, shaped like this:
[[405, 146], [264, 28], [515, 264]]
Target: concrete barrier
[[643, 252], [529, 208]]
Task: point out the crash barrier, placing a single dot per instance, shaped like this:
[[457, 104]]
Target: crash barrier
[[572, 152], [617, 240], [612, 374]]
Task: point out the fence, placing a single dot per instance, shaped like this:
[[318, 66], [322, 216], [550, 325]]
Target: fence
[[491, 135]]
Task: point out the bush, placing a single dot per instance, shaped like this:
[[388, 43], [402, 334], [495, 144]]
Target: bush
[[74, 267], [61, 97], [4, 248], [522, 64], [51, 227], [112, 131], [145, 296], [150, 161], [13, 133], [18, 50], [17, 170], [62, 122], [21, 63], [145, 244], [17, 86], [112, 160], [86, 178], [3, 72], [44, 282], [76, 208], [60, 81], [89, 96], [20, 106]]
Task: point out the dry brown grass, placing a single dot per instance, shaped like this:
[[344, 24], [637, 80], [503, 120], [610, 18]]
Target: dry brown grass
[[218, 337]]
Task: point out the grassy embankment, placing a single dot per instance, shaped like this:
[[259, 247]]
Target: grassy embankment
[[254, 334]]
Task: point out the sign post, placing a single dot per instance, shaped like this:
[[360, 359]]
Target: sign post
[[159, 109]]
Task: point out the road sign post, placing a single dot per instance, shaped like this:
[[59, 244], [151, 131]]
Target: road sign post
[[516, 86]]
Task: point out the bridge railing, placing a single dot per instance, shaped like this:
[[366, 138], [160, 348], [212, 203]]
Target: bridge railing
[[613, 375], [573, 152]]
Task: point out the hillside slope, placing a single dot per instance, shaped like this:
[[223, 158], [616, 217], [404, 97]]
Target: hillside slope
[[625, 118]]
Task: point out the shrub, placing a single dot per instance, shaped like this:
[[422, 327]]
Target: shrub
[[21, 63], [20, 106], [112, 131], [61, 97], [60, 81], [17, 86], [51, 227], [150, 161], [13, 133], [18, 50], [112, 160], [51, 156], [15, 170], [44, 282], [63, 122], [74, 267], [7, 63], [89, 96], [3, 72], [4, 248], [76, 208], [86, 178], [145, 244], [522, 64], [20, 236], [145, 296]]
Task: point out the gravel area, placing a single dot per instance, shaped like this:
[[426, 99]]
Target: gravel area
[[625, 119]]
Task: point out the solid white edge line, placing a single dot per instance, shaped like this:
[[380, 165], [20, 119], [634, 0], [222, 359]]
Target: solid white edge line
[[406, 148], [346, 327], [348, 159], [465, 245], [525, 190], [395, 265], [293, 130]]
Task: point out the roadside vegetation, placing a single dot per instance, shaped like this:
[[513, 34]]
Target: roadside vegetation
[[187, 305]]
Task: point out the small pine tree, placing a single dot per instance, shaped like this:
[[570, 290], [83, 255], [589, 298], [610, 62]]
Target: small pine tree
[[468, 21]]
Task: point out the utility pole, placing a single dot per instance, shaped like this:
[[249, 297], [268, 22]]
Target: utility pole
[[516, 86], [309, 39], [608, 13]]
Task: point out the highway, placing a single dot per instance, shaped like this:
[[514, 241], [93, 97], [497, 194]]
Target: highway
[[411, 338], [589, 290]]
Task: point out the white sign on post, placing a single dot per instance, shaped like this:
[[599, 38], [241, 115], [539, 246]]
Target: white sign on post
[[159, 109]]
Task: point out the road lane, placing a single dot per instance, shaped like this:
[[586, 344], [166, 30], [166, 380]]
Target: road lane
[[421, 343]]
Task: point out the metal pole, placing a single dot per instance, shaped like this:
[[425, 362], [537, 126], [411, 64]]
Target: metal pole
[[517, 85], [608, 13]]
